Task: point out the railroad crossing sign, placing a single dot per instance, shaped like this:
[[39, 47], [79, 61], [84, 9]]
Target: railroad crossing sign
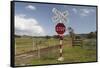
[[59, 16], [60, 28]]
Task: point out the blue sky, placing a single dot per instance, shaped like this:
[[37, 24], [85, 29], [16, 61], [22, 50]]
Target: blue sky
[[35, 19]]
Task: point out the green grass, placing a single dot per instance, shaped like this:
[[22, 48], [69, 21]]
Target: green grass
[[72, 54], [86, 53], [78, 54], [29, 44]]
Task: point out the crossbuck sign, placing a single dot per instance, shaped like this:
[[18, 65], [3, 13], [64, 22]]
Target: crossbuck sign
[[60, 17]]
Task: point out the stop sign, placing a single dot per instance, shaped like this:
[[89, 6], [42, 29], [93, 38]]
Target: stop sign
[[60, 28]]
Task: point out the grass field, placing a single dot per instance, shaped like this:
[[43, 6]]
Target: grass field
[[70, 54], [86, 53], [29, 44]]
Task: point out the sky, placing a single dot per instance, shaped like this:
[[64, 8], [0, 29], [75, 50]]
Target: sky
[[35, 19]]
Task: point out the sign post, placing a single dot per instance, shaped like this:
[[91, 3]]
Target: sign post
[[60, 18], [60, 29]]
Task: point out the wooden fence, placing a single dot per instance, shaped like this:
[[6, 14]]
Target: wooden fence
[[77, 42]]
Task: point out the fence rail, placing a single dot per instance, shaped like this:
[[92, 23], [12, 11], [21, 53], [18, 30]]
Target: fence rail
[[77, 42]]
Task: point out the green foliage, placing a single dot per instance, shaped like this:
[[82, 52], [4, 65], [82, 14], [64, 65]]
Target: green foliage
[[47, 37], [87, 53], [76, 54], [89, 44], [29, 44], [92, 35]]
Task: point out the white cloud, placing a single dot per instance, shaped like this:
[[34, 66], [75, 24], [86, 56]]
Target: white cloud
[[74, 10], [31, 7], [27, 26], [86, 12], [82, 12]]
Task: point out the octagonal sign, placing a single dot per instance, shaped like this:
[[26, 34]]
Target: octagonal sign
[[60, 28]]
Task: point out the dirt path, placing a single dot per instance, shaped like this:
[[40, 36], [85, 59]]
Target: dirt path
[[25, 58]]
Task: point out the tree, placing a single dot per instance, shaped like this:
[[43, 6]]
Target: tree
[[71, 32], [47, 37], [92, 35], [56, 36]]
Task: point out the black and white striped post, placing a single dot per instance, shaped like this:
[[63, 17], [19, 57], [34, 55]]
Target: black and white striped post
[[60, 18], [60, 29], [61, 48]]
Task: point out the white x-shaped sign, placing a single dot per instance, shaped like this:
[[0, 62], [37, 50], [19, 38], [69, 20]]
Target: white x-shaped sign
[[59, 16]]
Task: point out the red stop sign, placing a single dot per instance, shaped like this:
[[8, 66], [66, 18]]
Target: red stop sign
[[60, 28]]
